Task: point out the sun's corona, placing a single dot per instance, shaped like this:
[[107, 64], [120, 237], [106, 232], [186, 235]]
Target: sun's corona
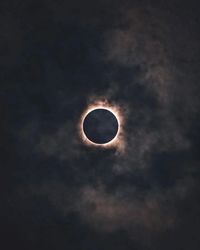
[[118, 140]]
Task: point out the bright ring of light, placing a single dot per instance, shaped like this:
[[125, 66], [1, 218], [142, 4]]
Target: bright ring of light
[[117, 141], [106, 135]]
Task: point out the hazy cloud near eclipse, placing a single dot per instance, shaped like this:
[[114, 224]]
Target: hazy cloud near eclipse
[[159, 125]]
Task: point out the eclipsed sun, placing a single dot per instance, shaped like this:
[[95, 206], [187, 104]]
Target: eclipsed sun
[[102, 125]]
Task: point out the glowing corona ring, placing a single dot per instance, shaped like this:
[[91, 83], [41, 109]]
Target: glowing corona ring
[[117, 141]]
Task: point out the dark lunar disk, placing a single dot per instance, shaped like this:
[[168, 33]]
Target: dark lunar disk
[[100, 126]]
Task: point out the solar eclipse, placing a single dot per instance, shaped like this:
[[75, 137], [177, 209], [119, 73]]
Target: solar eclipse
[[101, 125]]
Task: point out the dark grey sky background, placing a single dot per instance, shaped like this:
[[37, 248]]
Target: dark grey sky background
[[56, 57]]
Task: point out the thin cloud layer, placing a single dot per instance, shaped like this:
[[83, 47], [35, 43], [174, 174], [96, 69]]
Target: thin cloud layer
[[152, 74]]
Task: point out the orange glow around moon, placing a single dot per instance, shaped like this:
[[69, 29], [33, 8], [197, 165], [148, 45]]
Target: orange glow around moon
[[118, 141]]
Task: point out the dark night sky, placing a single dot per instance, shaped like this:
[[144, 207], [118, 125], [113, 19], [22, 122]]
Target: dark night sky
[[56, 57]]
